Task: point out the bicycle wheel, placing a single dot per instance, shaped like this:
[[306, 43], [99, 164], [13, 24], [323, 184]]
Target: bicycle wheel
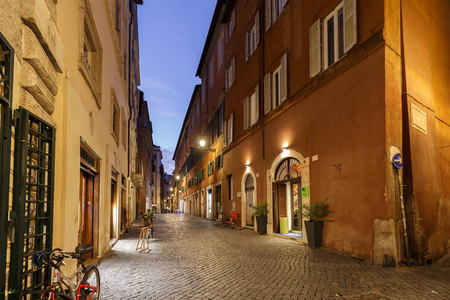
[[90, 285]]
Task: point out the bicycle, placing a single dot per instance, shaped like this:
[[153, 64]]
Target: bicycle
[[83, 284]]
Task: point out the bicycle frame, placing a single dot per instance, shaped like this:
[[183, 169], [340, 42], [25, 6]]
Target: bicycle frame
[[72, 284]]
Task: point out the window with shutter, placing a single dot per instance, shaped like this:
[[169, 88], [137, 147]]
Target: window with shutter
[[230, 127], [284, 77], [284, 3], [233, 69], [257, 103], [268, 7], [246, 113], [225, 135], [314, 50], [267, 94], [276, 87], [246, 46], [257, 30], [350, 33]]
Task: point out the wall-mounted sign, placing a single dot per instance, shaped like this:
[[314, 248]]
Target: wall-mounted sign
[[397, 161], [305, 191]]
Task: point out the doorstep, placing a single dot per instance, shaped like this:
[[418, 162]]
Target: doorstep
[[289, 236]]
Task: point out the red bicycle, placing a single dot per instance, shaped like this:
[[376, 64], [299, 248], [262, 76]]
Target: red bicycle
[[230, 221]]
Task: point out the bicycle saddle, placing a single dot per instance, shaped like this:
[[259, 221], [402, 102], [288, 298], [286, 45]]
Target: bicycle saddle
[[83, 249]]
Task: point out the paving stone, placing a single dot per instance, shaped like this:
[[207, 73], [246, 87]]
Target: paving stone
[[192, 258]]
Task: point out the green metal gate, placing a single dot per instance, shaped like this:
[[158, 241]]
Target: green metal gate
[[6, 83], [32, 207]]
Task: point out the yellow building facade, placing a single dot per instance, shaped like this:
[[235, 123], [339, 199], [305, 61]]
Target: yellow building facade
[[70, 71]]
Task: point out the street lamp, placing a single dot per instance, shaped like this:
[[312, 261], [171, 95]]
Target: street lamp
[[203, 143]]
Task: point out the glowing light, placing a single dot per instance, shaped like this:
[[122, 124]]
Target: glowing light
[[202, 143], [285, 145], [178, 177]]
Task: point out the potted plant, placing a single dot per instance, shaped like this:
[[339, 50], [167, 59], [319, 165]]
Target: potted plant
[[260, 211], [316, 213], [147, 217]]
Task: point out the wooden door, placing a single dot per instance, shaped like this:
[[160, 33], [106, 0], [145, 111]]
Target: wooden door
[[86, 225]]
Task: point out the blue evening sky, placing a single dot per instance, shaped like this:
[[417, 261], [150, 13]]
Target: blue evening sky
[[172, 34]]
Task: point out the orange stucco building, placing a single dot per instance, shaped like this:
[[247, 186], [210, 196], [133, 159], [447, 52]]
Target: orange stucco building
[[317, 97]]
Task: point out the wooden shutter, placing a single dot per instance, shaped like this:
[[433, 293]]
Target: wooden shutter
[[268, 14], [117, 15], [256, 103], [230, 129], [350, 32], [246, 46], [284, 77], [315, 52], [246, 113], [284, 3], [233, 70], [257, 30], [233, 20], [267, 94], [226, 80], [225, 133]]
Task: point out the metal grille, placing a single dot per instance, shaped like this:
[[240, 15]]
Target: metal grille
[[249, 184], [33, 201], [290, 168], [6, 83]]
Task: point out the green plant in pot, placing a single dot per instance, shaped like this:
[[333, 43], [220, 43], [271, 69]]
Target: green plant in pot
[[315, 213], [260, 211]]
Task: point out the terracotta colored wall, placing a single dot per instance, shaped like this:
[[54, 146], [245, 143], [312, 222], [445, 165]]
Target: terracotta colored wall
[[426, 44]]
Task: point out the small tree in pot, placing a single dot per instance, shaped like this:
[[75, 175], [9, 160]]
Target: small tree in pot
[[316, 213], [260, 211]]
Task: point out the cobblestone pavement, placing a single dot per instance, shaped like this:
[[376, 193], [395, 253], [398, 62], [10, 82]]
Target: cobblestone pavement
[[192, 258]]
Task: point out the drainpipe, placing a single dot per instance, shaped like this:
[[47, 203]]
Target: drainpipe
[[129, 85], [262, 30], [405, 123]]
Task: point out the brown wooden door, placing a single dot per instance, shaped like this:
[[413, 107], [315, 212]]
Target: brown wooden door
[[86, 229]]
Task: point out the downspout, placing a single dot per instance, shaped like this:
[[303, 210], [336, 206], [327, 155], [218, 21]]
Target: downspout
[[130, 107], [261, 92], [405, 139]]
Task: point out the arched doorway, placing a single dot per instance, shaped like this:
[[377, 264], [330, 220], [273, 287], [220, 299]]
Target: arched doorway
[[287, 202], [249, 200]]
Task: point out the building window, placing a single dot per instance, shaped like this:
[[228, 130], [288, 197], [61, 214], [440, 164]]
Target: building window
[[251, 109], [252, 38], [275, 86], [338, 37], [211, 72], [273, 10], [219, 119], [90, 58], [231, 24], [210, 167], [333, 36], [124, 129], [230, 187], [230, 74], [228, 131], [220, 51], [219, 161], [115, 117]]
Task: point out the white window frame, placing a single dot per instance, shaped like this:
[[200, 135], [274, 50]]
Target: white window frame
[[276, 83], [334, 15]]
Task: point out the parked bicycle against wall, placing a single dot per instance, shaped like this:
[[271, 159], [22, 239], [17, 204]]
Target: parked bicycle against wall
[[230, 221], [83, 284]]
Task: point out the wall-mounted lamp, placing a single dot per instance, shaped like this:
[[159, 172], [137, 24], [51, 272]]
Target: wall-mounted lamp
[[202, 145], [178, 177], [285, 146]]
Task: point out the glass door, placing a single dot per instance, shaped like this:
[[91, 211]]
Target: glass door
[[296, 204]]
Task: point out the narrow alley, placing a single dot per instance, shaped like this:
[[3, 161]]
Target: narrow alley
[[193, 258]]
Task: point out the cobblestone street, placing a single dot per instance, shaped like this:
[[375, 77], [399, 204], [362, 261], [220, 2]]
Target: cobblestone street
[[192, 258]]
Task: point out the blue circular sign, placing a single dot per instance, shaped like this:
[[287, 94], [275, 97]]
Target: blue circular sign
[[397, 161]]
